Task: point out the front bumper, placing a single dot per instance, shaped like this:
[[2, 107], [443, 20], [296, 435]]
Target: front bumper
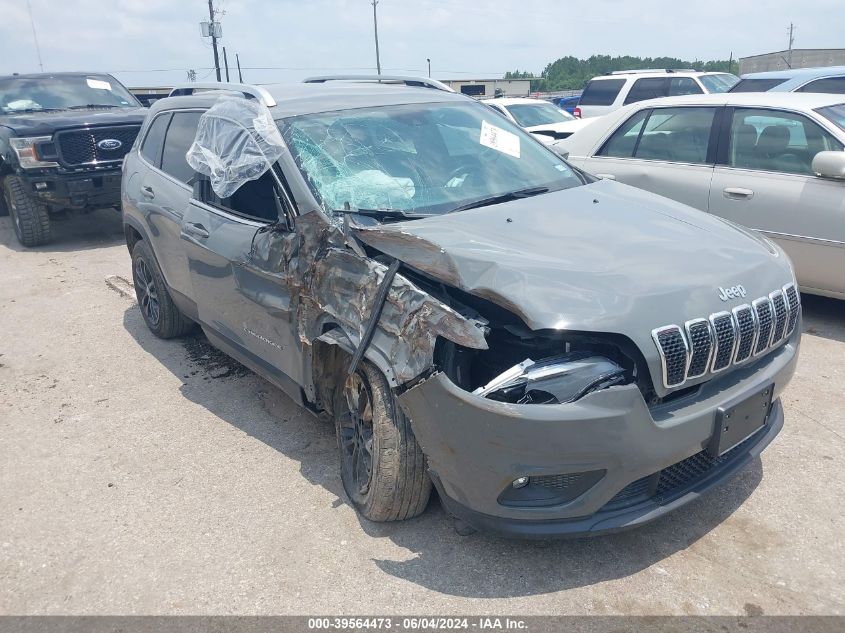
[[74, 190], [476, 447]]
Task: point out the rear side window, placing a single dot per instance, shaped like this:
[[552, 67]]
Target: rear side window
[[668, 134], [647, 88], [827, 85], [683, 86], [756, 85], [676, 134], [601, 92], [151, 147], [623, 141], [180, 135]]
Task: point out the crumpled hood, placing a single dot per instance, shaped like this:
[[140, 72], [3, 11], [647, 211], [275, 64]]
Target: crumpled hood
[[43, 123], [604, 257]]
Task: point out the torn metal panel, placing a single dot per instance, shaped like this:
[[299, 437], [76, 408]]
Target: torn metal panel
[[330, 285]]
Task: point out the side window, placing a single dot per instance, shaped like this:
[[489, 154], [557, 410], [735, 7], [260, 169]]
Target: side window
[[624, 140], [151, 147], [677, 134], [828, 85], [773, 140], [647, 88], [180, 135], [683, 86], [601, 92]]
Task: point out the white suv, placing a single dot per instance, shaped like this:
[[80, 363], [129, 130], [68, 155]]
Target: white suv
[[608, 92]]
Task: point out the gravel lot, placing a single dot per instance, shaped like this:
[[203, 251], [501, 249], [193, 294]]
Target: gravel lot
[[140, 476]]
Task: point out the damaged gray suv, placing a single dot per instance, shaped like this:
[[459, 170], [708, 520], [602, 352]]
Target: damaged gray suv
[[555, 354]]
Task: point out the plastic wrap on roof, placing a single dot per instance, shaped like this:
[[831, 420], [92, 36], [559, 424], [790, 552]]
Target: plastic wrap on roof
[[237, 141]]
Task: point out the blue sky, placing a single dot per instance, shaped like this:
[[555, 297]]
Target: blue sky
[[154, 42]]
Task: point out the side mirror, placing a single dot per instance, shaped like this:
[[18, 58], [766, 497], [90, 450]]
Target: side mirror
[[830, 165]]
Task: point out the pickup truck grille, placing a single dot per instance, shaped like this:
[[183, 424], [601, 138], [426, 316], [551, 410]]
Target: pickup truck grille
[[726, 339], [86, 146]]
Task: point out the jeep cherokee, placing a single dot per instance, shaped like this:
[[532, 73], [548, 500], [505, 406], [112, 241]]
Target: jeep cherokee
[[555, 354]]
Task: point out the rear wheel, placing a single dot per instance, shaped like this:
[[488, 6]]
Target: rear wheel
[[30, 218], [160, 314], [382, 466]]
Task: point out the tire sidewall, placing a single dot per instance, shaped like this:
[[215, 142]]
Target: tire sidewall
[[142, 252]]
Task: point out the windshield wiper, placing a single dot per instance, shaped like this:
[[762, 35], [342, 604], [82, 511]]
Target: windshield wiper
[[92, 105], [502, 197], [25, 110], [385, 214]]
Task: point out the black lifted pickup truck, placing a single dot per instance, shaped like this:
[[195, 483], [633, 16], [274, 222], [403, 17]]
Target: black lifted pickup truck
[[63, 137]]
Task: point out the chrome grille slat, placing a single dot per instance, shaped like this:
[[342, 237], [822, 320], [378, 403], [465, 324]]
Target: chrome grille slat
[[746, 331], [724, 331], [726, 338], [781, 316], [674, 354], [794, 303], [701, 346], [763, 310]]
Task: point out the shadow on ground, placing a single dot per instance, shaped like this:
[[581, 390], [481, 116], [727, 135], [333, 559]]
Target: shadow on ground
[[475, 566], [824, 317], [72, 232]]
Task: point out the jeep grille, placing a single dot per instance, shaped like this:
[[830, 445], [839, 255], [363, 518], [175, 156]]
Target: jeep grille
[[79, 147], [726, 338]]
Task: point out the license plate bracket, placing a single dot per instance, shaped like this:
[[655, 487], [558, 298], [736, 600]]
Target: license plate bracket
[[738, 420]]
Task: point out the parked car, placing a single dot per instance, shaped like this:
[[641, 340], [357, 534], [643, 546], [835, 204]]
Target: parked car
[[545, 121], [556, 354], [829, 80], [770, 161], [610, 92], [63, 137], [566, 103]]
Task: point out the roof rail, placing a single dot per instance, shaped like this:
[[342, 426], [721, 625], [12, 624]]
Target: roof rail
[[420, 82], [653, 70], [254, 92]]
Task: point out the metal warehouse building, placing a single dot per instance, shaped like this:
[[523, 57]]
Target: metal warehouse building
[[800, 58], [490, 87]]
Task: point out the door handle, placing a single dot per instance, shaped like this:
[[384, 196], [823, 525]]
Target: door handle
[[148, 192], [606, 176], [197, 230], [738, 193]]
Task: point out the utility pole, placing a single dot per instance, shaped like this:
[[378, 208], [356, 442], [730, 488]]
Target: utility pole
[[226, 64], [791, 42], [213, 32], [35, 35], [240, 76], [375, 28]]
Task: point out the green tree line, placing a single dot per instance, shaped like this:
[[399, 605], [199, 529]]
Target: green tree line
[[571, 73]]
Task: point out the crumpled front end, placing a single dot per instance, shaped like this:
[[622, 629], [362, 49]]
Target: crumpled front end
[[605, 462]]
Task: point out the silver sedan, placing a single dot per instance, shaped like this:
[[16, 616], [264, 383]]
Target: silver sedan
[[773, 162]]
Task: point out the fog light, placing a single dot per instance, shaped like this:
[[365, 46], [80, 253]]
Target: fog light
[[520, 482], [40, 186]]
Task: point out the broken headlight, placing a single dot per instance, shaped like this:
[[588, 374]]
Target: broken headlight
[[555, 380]]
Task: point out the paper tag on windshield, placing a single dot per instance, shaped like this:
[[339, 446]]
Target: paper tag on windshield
[[98, 84], [499, 139]]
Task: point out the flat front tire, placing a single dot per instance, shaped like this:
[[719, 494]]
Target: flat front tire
[[160, 314], [382, 466], [30, 219]]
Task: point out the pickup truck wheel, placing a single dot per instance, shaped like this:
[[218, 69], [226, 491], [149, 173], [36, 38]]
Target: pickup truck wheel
[[160, 314], [30, 219], [383, 469]]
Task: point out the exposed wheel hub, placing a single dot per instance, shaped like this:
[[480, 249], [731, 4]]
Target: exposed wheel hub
[[356, 433]]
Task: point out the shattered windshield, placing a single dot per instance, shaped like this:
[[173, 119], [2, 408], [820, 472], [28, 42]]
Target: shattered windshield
[[62, 92], [419, 159]]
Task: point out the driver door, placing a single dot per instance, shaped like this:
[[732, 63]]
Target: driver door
[[245, 310]]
